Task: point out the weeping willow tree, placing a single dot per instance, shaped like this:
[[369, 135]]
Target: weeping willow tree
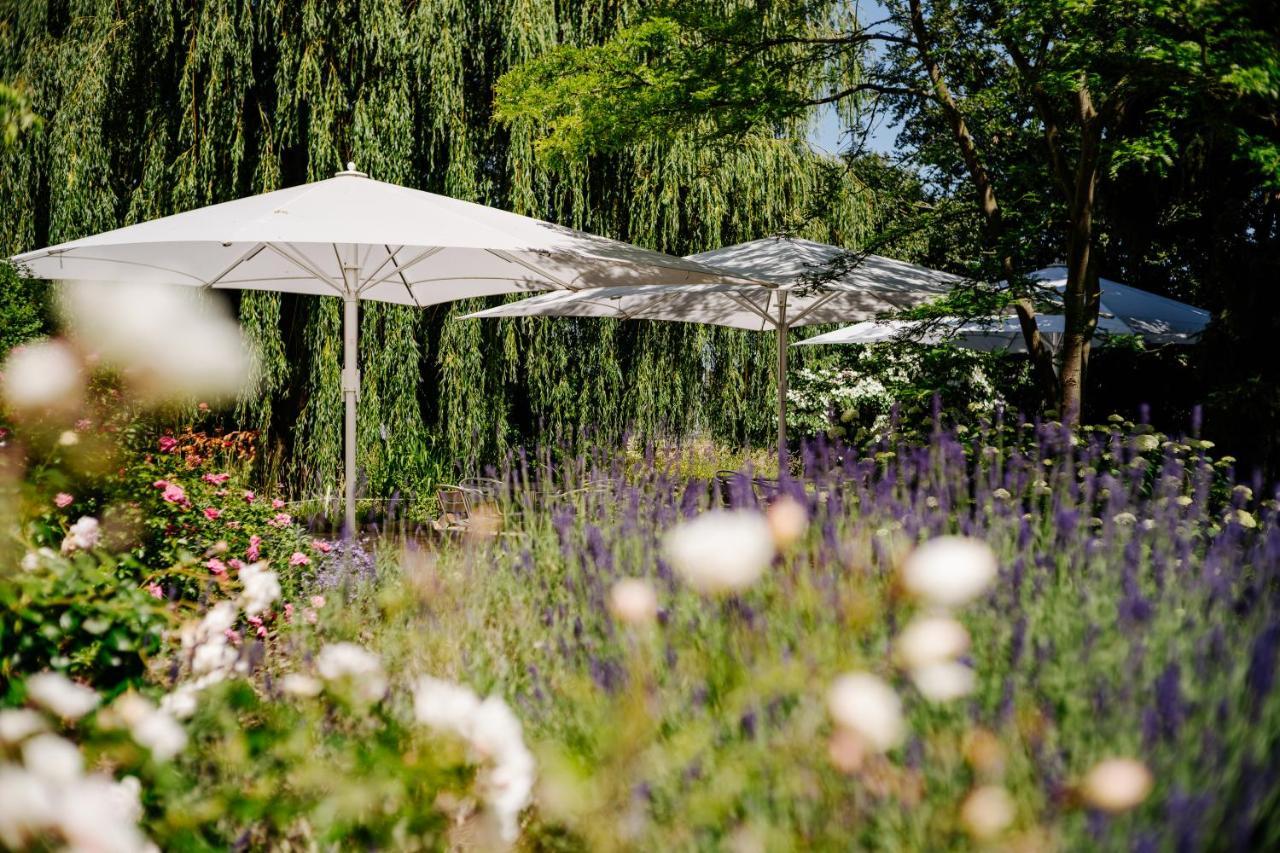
[[150, 107]]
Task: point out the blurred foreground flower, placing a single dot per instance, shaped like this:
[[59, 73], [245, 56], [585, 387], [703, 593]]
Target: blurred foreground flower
[[867, 706], [721, 550], [41, 378], [987, 811], [494, 733], [58, 694], [949, 571], [347, 663], [633, 601], [1116, 784], [788, 521], [170, 341]]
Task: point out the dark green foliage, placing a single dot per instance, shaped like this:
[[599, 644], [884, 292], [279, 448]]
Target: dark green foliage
[[151, 108], [23, 309]]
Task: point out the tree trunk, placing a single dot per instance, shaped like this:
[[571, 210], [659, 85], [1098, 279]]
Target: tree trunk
[[1081, 295], [1037, 350]]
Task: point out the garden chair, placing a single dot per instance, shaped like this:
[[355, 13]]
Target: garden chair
[[456, 505]]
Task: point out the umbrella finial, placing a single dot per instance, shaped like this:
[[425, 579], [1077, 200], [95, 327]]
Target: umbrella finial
[[351, 171]]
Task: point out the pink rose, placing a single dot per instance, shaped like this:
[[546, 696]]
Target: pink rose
[[322, 546], [62, 500], [155, 590], [168, 443], [253, 552], [299, 559], [174, 494], [310, 616], [282, 519], [216, 479], [235, 564], [288, 612], [317, 601], [218, 567], [212, 513], [250, 497], [158, 484], [277, 504]]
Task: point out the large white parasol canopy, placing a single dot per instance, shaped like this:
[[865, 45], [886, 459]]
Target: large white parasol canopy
[[1123, 310], [358, 238], [806, 283]]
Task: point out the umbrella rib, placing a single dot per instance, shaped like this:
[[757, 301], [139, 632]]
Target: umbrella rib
[[815, 305], [507, 256], [128, 264], [305, 267], [400, 268], [751, 306], [245, 258], [391, 256]]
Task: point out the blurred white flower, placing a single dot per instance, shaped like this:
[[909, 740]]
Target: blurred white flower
[[349, 663], [151, 727], [949, 571], [58, 694], [101, 814], [82, 535], [261, 588], [445, 705], [27, 807], [1125, 519], [214, 625], [788, 520], [498, 736], [1001, 494], [1116, 784], [633, 601], [30, 561], [721, 550], [1184, 500], [987, 811], [931, 639], [45, 376], [943, 681], [170, 341], [52, 758], [17, 724], [214, 655], [869, 707], [304, 686]]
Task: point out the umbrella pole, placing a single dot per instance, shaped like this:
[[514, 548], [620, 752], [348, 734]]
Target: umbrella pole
[[350, 393], [782, 382]]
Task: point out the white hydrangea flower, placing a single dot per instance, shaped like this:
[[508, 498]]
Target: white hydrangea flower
[[347, 662], [721, 550], [867, 706], [151, 727], [101, 814], [949, 571], [58, 694], [1125, 519]]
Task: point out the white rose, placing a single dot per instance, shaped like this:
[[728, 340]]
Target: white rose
[[60, 695]]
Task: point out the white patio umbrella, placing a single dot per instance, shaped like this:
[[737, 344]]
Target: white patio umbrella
[[796, 293], [358, 238], [1123, 310]]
